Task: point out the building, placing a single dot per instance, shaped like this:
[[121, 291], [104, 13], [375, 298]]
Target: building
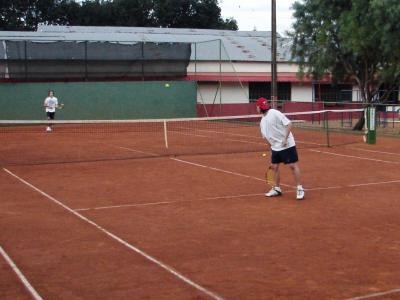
[[231, 68]]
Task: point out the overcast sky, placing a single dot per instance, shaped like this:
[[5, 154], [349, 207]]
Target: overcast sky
[[252, 14]]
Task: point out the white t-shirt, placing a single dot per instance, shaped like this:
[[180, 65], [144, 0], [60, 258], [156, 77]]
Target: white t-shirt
[[51, 103], [273, 129]]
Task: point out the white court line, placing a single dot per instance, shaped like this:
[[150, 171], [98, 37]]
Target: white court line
[[224, 171], [247, 136], [215, 137], [229, 196], [353, 156], [133, 150], [374, 151], [21, 276], [118, 239], [166, 202], [374, 183], [375, 295]]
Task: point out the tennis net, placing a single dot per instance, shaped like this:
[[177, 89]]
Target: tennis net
[[29, 142]]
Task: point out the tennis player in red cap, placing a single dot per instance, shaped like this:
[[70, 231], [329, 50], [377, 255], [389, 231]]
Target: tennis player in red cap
[[276, 129]]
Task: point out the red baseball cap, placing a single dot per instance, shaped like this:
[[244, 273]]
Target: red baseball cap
[[262, 103]]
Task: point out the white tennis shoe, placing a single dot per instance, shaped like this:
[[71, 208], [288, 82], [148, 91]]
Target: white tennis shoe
[[300, 194], [274, 192]]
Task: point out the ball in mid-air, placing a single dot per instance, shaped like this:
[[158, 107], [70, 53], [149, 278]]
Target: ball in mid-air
[[167, 85], [264, 154]]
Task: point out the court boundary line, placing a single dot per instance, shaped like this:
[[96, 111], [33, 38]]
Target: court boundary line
[[225, 171], [228, 196], [357, 157], [20, 275], [261, 142], [157, 262], [167, 202], [373, 295], [374, 151]]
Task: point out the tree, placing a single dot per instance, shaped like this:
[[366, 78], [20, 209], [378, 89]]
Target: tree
[[191, 14], [136, 13], [27, 14], [355, 40]]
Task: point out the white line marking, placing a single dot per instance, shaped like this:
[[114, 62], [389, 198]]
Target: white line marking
[[224, 171], [189, 134], [353, 156], [166, 202], [375, 295], [325, 188], [374, 151], [374, 183], [226, 139], [247, 136], [133, 150], [21, 276], [230, 196], [118, 239]]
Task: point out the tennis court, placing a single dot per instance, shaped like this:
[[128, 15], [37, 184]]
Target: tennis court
[[172, 211]]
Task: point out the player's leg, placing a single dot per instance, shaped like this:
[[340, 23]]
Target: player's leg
[[291, 159], [275, 161], [297, 177], [296, 172], [277, 174], [50, 116]]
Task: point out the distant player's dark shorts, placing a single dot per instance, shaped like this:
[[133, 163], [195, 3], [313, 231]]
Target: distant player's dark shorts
[[50, 115], [287, 156]]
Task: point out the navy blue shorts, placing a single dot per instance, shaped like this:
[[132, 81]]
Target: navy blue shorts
[[287, 156], [50, 115]]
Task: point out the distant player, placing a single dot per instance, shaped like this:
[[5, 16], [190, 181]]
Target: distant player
[[275, 128], [50, 104]]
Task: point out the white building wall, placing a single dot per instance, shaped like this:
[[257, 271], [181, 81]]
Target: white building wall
[[232, 92], [302, 92], [356, 95], [239, 67]]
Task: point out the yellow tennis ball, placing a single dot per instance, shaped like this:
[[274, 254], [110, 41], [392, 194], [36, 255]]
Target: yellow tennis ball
[[264, 154], [167, 85]]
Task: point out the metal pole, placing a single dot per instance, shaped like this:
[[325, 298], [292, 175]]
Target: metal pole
[[142, 60], [220, 77], [86, 60], [26, 60], [274, 87]]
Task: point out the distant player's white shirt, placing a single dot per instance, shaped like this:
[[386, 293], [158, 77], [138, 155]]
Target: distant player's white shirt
[[51, 103], [273, 129]]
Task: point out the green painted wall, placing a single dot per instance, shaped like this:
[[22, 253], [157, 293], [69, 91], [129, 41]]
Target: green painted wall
[[100, 100]]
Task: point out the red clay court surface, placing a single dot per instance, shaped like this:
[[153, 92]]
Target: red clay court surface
[[199, 227]]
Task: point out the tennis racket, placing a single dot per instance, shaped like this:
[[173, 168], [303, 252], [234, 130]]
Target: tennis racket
[[60, 106]]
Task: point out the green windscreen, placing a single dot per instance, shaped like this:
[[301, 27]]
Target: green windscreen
[[100, 100]]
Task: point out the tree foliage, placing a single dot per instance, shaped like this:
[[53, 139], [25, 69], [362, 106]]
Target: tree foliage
[[27, 14], [355, 40]]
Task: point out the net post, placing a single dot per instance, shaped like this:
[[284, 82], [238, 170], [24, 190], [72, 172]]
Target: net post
[[165, 134]]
